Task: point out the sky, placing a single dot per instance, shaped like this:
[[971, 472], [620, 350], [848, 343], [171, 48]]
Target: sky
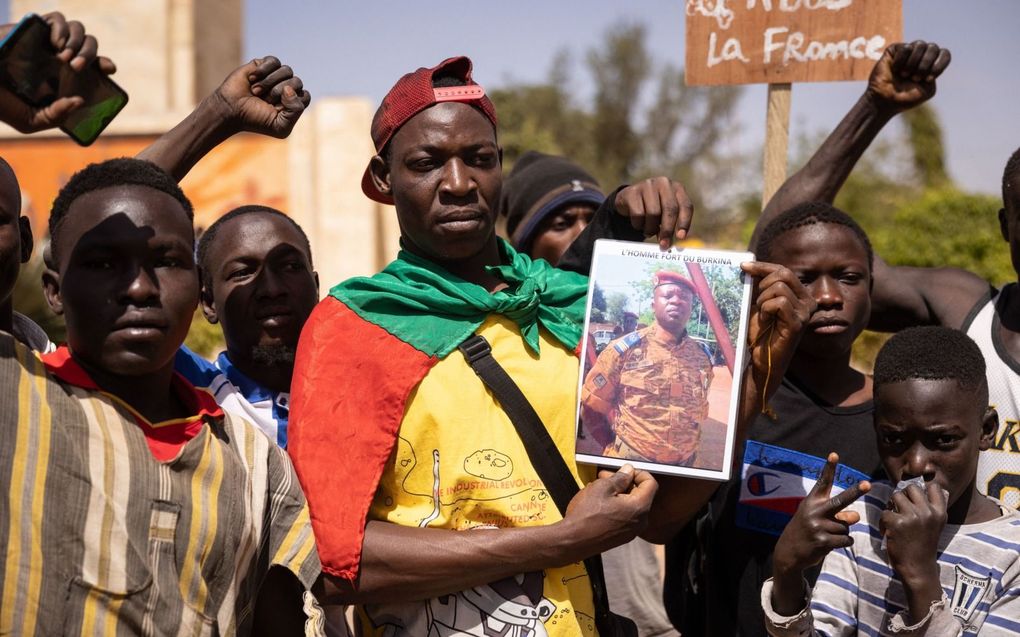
[[361, 48]]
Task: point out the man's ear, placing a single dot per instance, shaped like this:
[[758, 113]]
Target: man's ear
[[380, 174], [51, 290], [989, 427], [27, 243], [1004, 224], [205, 297]]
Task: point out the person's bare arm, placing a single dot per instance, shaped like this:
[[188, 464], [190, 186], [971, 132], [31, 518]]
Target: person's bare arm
[[407, 563], [903, 78], [906, 296], [781, 308], [262, 96]]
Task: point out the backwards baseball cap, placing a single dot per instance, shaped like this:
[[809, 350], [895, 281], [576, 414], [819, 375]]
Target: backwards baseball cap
[[668, 277], [412, 94], [538, 186]]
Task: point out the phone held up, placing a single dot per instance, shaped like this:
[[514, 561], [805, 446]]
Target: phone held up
[[30, 68]]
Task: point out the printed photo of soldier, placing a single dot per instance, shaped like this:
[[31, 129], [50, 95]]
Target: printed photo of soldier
[[658, 372]]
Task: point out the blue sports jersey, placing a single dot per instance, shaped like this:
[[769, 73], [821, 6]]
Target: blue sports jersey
[[236, 393]]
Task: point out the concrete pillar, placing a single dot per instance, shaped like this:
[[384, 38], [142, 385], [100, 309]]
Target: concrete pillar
[[327, 155]]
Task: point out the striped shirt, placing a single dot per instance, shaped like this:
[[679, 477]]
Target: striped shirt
[[101, 538], [237, 393], [859, 593]]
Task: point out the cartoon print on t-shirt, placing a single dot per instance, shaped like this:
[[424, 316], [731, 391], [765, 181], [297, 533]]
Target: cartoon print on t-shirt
[[449, 496], [489, 464]]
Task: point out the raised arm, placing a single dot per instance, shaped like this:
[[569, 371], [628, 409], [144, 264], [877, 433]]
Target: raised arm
[[432, 562], [903, 78], [262, 96]]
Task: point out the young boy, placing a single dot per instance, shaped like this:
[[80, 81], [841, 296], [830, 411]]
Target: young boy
[[133, 501], [939, 559], [822, 404]]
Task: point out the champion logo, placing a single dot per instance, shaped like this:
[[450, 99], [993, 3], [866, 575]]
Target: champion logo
[[759, 483], [775, 481], [575, 185]]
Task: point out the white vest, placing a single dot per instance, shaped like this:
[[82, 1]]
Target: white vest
[[998, 473]]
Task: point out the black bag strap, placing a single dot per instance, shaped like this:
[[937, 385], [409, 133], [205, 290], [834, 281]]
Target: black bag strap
[[548, 462], [542, 451]]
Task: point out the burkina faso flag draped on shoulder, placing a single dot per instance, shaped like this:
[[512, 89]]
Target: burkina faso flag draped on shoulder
[[364, 350]]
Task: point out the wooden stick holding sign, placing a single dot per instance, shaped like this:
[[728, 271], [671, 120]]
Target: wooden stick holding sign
[[777, 139], [778, 42]]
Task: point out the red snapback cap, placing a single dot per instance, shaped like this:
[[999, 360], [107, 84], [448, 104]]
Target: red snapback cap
[[412, 94]]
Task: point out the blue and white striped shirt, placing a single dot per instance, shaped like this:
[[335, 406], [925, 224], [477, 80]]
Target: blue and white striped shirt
[[859, 593], [236, 393]]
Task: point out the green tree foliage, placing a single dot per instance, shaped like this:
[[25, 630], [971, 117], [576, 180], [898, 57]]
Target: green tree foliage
[[204, 338], [926, 143], [946, 227], [598, 304], [641, 122], [598, 298], [616, 305]]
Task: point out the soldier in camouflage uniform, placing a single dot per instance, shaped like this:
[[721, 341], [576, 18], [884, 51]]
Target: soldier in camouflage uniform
[[647, 394]]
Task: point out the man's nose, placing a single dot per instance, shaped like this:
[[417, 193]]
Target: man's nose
[[918, 463], [457, 178], [143, 287], [827, 292], [268, 284], [579, 226]]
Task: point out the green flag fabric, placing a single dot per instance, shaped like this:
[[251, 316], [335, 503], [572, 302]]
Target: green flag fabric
[[434, 311]]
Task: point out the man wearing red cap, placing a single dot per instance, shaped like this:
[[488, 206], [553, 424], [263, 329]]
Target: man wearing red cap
[[648, 391], [427, 511]]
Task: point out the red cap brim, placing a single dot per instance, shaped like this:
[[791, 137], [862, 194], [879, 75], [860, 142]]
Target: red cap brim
[[368, 187]]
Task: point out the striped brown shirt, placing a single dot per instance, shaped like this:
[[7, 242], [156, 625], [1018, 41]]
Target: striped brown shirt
[[100, 538]]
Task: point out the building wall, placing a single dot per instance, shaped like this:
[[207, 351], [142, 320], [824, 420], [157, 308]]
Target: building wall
[[172, 53]]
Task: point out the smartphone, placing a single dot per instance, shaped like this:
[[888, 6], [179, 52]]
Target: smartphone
[[29, 67]]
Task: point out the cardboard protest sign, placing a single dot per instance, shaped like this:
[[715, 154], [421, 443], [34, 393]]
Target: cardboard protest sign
[[784, 41]]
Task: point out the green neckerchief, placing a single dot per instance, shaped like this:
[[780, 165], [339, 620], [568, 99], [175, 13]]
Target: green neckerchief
[[434, 311]]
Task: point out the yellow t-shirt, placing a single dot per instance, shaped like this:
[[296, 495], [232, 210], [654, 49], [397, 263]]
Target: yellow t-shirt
[[459, 464]]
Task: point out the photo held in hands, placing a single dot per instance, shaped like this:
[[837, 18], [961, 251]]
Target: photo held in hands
[[663, 355]]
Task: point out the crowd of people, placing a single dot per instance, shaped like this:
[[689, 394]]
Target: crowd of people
[[400, 455]]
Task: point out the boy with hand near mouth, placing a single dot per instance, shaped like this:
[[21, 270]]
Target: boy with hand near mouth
[[941, 560]]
